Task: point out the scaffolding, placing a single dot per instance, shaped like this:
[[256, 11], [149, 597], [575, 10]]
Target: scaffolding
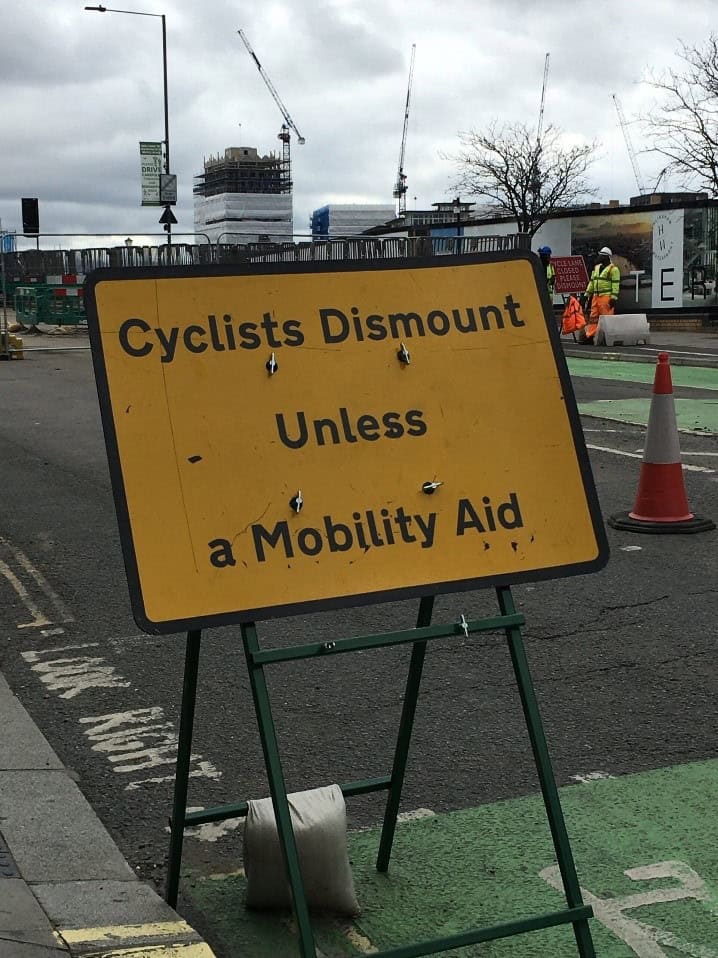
[[242, 170]]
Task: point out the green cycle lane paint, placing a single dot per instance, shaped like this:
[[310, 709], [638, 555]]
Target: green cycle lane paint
[[697, 377], [646, 850], [692, 415]]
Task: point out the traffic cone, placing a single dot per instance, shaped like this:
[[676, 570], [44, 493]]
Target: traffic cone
[[661, 504]]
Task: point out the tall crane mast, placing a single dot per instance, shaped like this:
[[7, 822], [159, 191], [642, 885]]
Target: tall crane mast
[[535, 172], [400, 185], [288, 121], [539, 130], [629, 146]]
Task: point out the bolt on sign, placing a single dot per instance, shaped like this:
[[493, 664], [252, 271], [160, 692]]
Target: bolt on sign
[[288, 438]]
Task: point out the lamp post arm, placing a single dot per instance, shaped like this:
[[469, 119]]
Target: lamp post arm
[[167, 114], [141, 13]]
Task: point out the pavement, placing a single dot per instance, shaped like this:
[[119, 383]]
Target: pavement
[[65, 887], [686, 348]]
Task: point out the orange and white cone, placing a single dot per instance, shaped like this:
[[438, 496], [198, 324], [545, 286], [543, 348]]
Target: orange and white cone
[[661, 504]]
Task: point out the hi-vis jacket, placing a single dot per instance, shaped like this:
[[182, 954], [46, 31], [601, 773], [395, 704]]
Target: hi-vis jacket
[[550, 278], [604, 281]]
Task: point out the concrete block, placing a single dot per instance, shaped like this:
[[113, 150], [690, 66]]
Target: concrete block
[[22, 744], [53, 833], [628, 329]]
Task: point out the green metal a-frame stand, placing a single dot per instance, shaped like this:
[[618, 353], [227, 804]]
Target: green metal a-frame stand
[[576, 913]]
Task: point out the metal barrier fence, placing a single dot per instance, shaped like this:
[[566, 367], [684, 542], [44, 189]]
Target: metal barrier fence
[[33, 265], [45, 286]]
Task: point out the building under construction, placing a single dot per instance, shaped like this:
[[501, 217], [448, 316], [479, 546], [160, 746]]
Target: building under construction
[[243, 197]]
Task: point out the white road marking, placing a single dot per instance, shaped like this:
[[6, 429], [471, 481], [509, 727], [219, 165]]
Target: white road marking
[[591, 777], [629, 351], [62, 613], [415, 815], [75, 673], [673, 352], [643, 939], [203, 769], [635, 455], [140, 739], [686, 453], [213, 831], [38, 617], [631, 548], [602, 430], [210, 831], [132, 741]]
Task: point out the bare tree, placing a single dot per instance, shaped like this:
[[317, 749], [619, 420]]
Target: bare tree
[[523, 177], [684, 126]]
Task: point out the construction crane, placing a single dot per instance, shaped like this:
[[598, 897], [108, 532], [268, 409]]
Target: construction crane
[[289, 123], [400, 185], [629, 146], [539, 130], [535, 182]]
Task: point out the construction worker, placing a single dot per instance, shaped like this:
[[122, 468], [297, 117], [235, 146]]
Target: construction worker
[[545, 254], [602, 291]]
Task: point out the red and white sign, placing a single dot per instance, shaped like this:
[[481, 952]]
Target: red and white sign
[[571, 274]]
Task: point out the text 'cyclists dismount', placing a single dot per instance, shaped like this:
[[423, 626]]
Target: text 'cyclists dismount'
[[287, 438]]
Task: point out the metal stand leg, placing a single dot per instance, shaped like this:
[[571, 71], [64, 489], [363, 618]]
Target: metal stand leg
[[278, 789], [184, 754], [406, 725], [549, 790]]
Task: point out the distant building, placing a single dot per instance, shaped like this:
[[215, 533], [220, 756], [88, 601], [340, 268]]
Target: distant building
[[444, 213], [243, 197], [665, 245], [447, 214], [348, 219]]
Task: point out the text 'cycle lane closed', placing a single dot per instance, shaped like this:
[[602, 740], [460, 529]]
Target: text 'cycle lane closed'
[[290, 439]]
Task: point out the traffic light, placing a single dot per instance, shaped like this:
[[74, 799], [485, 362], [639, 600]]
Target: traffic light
[[30, 215]]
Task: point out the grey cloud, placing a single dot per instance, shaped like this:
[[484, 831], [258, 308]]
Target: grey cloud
[[80, 90]]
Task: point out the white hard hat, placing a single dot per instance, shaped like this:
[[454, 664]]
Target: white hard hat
[[605, 252]]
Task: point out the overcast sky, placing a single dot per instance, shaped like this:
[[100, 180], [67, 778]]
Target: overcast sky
[[81, 89]]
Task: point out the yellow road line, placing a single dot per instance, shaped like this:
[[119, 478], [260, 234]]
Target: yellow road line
[[118, 933], [193, 950], [359, 941], [137, 941]]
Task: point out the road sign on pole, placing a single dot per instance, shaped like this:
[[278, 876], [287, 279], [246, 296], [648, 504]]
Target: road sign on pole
[[167, 217], [571, 274], [168, 189], [322, 437], [151, 166], [297, 437]]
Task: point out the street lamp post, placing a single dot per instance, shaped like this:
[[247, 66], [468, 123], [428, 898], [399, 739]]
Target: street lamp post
[[161, 16]]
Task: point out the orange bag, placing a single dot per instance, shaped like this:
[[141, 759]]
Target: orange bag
[[573, 317]]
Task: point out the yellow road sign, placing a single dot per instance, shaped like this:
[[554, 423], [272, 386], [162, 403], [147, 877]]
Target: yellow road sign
[[294, 438]]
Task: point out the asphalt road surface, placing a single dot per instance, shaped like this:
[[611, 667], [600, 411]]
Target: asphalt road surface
[[624, 661]]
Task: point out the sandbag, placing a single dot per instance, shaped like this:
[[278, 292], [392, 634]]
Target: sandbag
[[319, 820]]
